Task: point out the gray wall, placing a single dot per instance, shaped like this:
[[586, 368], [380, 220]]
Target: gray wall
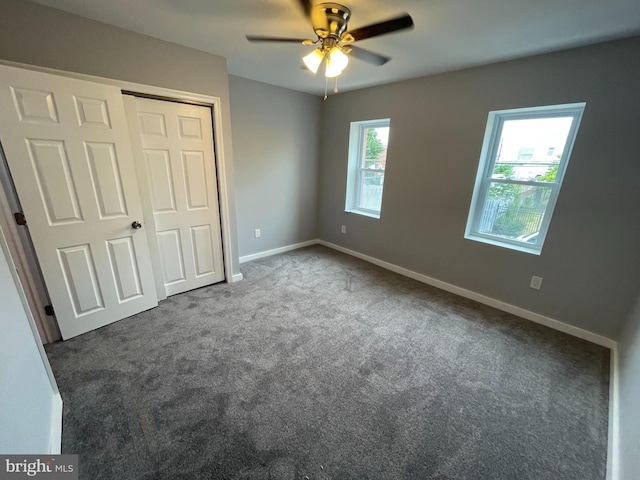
[[275, 146], [629, 397], [43, 36], [590, 262], [26, 393]]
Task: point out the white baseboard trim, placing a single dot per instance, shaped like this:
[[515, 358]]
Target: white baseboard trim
[[275, 251], [613, 449], [55, 441], [492, 302], [236, 278]]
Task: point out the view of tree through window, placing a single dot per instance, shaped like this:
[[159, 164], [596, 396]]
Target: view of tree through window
[[516, 210], [524, 166], [367, 164], [373, 164]]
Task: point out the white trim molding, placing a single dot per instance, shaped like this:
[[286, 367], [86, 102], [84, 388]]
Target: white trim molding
[[478, 297], [226, 188], [237, 278], [613, 447], [55, 427], [24, 259], [490, 153], [613, 433], [223, 167], [275, 251], [492, 302], [55, 444], [358, 134]]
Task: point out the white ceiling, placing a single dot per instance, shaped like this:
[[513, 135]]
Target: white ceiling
[[448, 34]]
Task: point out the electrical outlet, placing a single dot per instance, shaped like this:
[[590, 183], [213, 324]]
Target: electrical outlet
[[256, 233], [344, 229], [536, 282]]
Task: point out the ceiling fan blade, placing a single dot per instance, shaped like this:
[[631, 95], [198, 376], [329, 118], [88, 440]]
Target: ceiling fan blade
[[367, 56], [395, 24], [306, 6], [258, 38]]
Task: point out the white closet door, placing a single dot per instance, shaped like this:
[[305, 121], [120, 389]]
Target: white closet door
[[179, 159], [68, 149]]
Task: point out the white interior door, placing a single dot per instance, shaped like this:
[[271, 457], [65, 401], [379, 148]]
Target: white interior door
[[67, 145], [179, 161]]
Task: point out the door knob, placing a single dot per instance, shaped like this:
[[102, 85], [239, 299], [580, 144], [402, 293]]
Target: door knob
[[136, 225]]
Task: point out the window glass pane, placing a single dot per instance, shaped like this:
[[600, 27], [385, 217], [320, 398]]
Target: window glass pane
[[368, 143], [376, 141], [514, 211], [371, 184], [530, 149]]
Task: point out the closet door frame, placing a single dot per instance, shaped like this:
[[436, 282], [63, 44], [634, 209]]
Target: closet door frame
[[30, 279]]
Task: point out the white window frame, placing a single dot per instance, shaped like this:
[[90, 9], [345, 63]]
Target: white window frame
[[357, 146], [488, 157]]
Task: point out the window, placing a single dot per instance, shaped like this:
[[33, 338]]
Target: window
[[367, 162], [522, 163]]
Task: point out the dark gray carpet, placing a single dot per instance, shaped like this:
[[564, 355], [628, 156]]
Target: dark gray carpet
[[320, 365]]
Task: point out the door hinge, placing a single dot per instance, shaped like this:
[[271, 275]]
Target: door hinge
[[48, 310], [20, 218]]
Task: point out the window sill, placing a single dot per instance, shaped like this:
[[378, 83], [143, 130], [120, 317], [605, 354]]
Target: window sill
[[364, 213], [532, 249]]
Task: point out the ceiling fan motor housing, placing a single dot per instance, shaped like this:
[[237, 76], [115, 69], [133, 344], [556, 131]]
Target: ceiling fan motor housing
[[330, 23], [330, 20]]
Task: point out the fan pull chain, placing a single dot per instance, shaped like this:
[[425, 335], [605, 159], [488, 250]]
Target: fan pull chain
[[326, 86], [335, 89]]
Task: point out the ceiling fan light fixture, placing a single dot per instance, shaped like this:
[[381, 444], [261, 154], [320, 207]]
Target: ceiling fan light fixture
[[313, 60], [333, 38], [336, 62]]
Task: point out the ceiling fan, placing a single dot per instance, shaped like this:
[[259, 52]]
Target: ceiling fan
[[334, 41]]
